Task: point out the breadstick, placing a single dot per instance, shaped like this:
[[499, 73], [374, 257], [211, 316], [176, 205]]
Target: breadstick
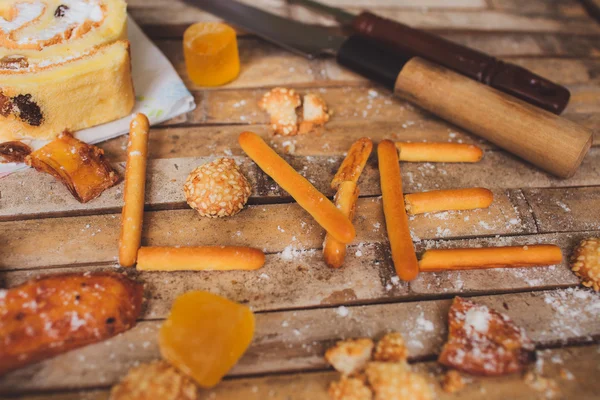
[[396, 220], [353, 164], [491, 257], [334, 252], [307, 196], [440, 200], [439, 152], [135, 186], [209, 258]]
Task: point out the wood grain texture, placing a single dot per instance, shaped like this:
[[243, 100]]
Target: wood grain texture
[[290, 341], [571, 368]]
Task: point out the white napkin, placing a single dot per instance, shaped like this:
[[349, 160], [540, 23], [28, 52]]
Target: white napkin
[[160, 94]]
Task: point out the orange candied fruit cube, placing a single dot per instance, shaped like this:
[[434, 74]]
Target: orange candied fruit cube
[[211, 53], [205, 335]]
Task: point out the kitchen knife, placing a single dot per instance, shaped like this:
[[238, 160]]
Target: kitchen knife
[[546, 140], [509, 78]]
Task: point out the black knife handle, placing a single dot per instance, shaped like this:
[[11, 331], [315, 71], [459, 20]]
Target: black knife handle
[[509, 78], [553, 143]]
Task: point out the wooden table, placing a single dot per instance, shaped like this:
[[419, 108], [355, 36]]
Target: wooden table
[[298, 300]]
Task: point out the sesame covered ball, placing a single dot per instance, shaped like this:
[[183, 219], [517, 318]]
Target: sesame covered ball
[[585, 262], [217, 189]]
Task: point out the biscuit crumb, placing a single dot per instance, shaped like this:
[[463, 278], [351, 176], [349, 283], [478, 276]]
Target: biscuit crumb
[[397, 381], [452, 381], [156, 380], [585, 262], [349, 389], [350, 356], [391, 348], [281, 104], [314, 113]]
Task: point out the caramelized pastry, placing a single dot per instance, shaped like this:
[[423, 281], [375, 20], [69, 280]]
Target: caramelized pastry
[[81, 167], [14, 152], [482, 341], [50, 315]]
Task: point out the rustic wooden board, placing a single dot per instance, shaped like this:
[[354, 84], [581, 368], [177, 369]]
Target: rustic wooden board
[[296, 340], [572, 369]]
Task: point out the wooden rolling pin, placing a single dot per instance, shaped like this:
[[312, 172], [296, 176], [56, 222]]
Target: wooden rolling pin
[[546, 140]]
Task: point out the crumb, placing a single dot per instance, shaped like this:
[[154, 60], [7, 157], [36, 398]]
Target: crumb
[[217, 189], [391, 348], [397, 381], [350, 356], [281, 104], [314, 113], [349, 389], [585, 262], [156, 380], [453, 382], [482, 341]]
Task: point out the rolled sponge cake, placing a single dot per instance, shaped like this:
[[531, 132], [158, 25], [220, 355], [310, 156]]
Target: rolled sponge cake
[[63, 65]]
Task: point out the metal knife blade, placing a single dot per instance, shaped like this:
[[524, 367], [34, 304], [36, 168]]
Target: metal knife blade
[[306, 40], [341, 16]]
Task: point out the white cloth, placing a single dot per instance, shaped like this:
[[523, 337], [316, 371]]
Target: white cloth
[[160, 94]]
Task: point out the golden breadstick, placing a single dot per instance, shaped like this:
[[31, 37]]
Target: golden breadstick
[[396, 220], [439, 152], [307, 196], [440, 200], [334, 252], [209, 258], [135, 186], [491, 257], [353, 164]]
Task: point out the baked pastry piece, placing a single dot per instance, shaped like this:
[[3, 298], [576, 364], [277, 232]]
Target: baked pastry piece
[[350, 356], [217, 189], [391, 348], [585, 262], [314, 113], [395, 381], [50, 315], [350, 389], [63, 65], [155, 380], [482, 341], [281, 104]]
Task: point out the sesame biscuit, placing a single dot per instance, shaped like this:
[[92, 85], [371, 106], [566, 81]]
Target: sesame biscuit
[[281, 104], [217, 189], [391, 348], [350, 356], [585, 262], [314, 113], [156, 380]]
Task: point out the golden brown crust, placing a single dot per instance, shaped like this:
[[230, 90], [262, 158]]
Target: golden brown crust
[[391, 348], [350, 356], [81, 167], [395, 381], [585, 262], [482, 341], [490, 257], [207, 258], [441, 200], [354, 163], [439, 152], [134, 193], [345, 199], [50, 315], [281, 104], [217, 189], [153, 381], [13, 151], [349, 389]]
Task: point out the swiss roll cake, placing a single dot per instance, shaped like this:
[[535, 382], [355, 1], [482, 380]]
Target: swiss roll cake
[[64, 65]]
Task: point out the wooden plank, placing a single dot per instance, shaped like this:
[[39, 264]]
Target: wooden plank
[[571, 8], [299, 278], [571, 368], [296, 340], [92, 239], [29, 194], [564, 210]]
